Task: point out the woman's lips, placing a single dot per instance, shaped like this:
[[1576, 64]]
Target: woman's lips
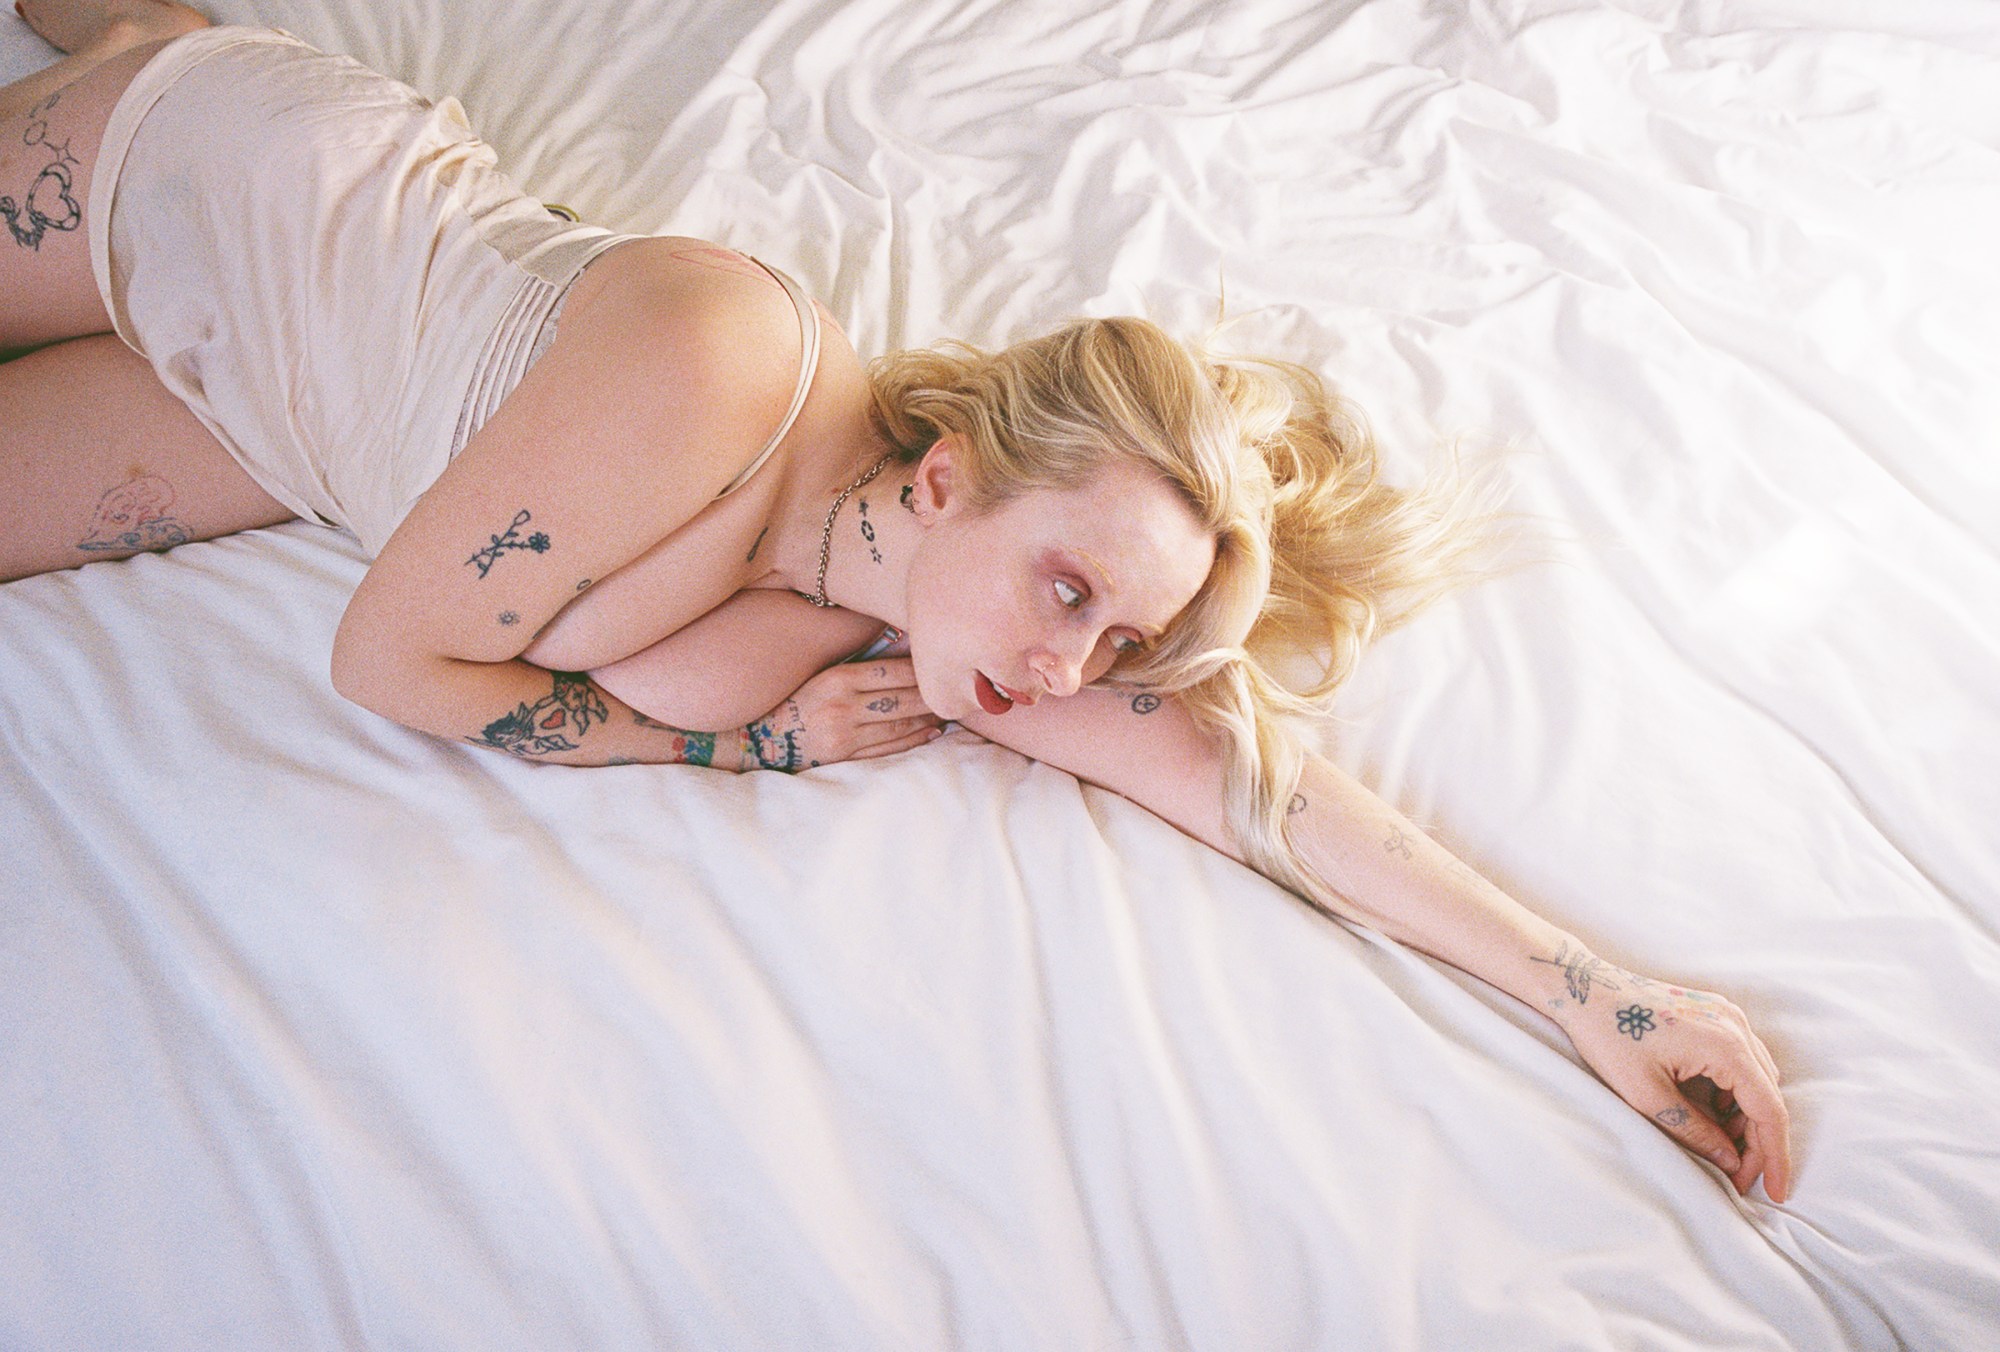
[[993, 697], [989, 695]]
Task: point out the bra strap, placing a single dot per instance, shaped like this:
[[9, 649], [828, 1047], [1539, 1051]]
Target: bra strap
[[808, 363]]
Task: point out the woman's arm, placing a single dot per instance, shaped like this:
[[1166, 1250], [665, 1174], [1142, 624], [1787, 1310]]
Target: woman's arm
[[653, 396], [1645, 1038], [850, 712]]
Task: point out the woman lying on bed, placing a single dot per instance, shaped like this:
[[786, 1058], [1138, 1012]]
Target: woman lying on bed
[[622, 492]]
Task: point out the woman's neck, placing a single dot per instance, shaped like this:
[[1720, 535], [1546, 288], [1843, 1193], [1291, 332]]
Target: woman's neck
[[868, 551]]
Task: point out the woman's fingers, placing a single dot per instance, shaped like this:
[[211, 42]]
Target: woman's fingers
[[895, 730], [882, 673], [906, 743], [1768, 1129], [1686, 1123], [885, 688], [892, 706], [1764, 1058]]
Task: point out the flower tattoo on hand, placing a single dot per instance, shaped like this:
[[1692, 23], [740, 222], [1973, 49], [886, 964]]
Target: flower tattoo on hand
[[1635, 1021]]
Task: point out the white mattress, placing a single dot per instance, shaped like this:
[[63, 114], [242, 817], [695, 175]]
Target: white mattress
[[316, 1032]]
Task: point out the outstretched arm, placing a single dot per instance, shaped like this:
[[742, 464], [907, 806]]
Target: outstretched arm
[[1685, 1058]]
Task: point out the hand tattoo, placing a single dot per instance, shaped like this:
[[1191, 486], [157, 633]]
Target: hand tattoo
[[1636, 1022]]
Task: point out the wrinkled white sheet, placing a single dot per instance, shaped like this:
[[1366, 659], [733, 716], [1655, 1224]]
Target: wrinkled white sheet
[[315, 1032]]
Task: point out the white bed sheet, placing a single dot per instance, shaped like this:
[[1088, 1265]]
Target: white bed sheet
[[315, 1032]]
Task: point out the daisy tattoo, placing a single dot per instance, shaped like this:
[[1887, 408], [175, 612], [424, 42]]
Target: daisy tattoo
[[1635, 1022]]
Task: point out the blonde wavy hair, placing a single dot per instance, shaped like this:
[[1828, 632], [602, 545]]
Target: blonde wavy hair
[[1315, 553]]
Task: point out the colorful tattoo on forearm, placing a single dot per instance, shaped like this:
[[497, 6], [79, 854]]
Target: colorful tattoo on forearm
[[684, 747], [484, 559], [777, 748], [549, 724]]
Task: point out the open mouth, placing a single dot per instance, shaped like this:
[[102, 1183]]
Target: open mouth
[[994, 699]]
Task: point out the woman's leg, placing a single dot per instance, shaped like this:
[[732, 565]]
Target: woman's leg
[[99, 460], [51, 124]]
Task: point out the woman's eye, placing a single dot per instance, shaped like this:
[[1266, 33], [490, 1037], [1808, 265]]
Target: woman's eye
[[1125, 645], [1068, 595]]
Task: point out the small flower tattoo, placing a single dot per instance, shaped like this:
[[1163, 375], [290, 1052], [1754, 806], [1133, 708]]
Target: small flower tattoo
[[485, 559], [1635, 1021]]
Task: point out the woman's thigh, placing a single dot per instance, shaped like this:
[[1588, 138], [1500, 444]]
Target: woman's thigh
[[46, 158], [99, 460]]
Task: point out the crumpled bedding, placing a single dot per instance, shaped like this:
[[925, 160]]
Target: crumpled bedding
[[317, 1032]]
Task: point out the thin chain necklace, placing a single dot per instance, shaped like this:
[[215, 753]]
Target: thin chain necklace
[[826, 537]]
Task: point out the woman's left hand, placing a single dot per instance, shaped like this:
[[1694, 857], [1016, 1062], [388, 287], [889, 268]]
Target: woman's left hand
[[1688, 1060]]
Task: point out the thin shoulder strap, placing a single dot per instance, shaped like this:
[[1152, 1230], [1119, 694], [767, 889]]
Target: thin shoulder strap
[[808, 363]]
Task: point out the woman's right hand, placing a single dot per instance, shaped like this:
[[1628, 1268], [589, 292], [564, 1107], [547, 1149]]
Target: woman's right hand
[[854, 711]]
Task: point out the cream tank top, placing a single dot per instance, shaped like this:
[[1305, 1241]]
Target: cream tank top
[[342, 312]]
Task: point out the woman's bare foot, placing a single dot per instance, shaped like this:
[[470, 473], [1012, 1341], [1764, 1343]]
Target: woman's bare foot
[[103, 28]]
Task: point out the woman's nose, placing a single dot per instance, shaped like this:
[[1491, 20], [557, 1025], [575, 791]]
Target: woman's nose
[[1061, 673]]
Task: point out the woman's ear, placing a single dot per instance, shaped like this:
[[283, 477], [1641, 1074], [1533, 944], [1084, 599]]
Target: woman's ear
[[933, 493]]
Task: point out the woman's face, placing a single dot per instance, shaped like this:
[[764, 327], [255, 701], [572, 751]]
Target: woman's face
[[1035, 598]]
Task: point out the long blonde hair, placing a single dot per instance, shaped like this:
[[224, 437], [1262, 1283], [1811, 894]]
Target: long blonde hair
[[1315, 553]]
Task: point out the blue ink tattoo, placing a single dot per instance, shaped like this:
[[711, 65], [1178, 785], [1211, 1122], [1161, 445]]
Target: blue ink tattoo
[[1635, 1022], [538, 542]]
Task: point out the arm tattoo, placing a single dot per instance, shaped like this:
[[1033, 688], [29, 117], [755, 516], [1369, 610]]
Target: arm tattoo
[[1296, 806], [688, 748], [570, 708], [1579, 970], [776, 748], [1397, 843], [484, 559]]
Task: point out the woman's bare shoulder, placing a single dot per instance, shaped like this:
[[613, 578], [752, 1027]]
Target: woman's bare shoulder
[[686, 270]]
